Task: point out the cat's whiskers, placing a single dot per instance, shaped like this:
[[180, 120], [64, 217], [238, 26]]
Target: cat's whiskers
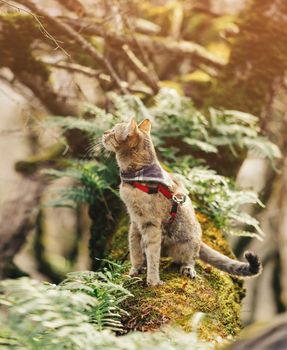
[[94, 148]]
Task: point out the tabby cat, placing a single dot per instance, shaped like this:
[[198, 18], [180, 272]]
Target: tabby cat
[[151, 232]]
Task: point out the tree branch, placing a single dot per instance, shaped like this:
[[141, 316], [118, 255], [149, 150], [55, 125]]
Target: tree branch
[[75, 68], [154, 44], [79, 39], [141, 71]]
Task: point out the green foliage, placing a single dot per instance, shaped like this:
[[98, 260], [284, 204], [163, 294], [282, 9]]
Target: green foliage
[[80, 313], [92, 179], [174, 118], [86, 122], [212, 194], [217, 197], [107, 287], [35, 313]]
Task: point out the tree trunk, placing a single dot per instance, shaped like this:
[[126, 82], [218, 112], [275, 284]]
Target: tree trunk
[[213, 292], [17, 218], [258, 59], [253, 82]]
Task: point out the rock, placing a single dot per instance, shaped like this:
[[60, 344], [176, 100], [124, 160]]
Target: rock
[[212, 292]]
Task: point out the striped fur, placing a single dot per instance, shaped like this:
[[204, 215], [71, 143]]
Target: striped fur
[[150, 236]]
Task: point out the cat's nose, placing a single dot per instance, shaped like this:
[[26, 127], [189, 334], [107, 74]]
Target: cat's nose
[[106, 132]]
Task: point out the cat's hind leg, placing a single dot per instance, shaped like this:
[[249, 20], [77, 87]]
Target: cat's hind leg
[[188, 270], [185, 254]]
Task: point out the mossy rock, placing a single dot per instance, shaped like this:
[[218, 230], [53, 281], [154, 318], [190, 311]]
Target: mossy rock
[[117, 246], [213, 292]]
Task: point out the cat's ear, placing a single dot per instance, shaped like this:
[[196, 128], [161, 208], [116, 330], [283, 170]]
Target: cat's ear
[[145, 125], [132, 133]]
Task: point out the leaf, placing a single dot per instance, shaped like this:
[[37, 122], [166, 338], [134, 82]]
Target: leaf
[[204, 146], [244, 117]]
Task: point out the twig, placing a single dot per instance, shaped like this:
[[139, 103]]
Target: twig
[[79, 39], [74, 67], [146, 61], [177, 19], [141, 71], [41, 26]]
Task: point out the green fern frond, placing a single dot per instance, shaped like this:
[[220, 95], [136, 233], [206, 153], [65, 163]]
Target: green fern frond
[[84, 303], [217, 197], [69, 123], [203, 146], [261, 147], [92, 179], [242, 117], [175, 117], [79, 314]]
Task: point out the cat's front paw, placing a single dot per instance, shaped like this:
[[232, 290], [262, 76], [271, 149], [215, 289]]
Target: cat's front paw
[[187, 270], [137, 271], [154, 283]]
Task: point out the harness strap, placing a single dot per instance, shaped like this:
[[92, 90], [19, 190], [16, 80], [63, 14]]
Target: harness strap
[[167, 193], [173, 212], [141, 187]]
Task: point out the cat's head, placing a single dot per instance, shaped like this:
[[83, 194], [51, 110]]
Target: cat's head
[[131, 142]]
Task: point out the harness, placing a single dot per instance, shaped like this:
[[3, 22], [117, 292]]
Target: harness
[[175, 198]]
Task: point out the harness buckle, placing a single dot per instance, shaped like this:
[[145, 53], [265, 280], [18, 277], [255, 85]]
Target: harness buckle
[[179, 198]]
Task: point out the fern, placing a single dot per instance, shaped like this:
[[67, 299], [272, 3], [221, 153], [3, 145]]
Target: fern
[[92, 179], [69, 123], [217, 197], [201, 145], [174, 116], [40, 314], [100, 285], [69, 314], [81, 314]]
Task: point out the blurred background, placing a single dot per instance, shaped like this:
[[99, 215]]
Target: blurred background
[[70, 55]]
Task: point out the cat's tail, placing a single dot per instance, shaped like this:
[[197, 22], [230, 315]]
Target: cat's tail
[[252, 267]]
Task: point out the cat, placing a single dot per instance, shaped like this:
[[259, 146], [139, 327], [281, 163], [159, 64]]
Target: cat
[[152, 234]]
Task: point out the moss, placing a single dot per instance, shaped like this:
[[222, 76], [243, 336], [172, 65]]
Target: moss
[[118, 242], [47, 157], [180, 298], [213, 292], [212, 236], [105, 216]]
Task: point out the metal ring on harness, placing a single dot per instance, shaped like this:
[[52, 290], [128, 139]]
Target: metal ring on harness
[[179, 198], [176, 199]]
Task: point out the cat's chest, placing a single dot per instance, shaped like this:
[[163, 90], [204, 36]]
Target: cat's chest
[[141, 204]]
